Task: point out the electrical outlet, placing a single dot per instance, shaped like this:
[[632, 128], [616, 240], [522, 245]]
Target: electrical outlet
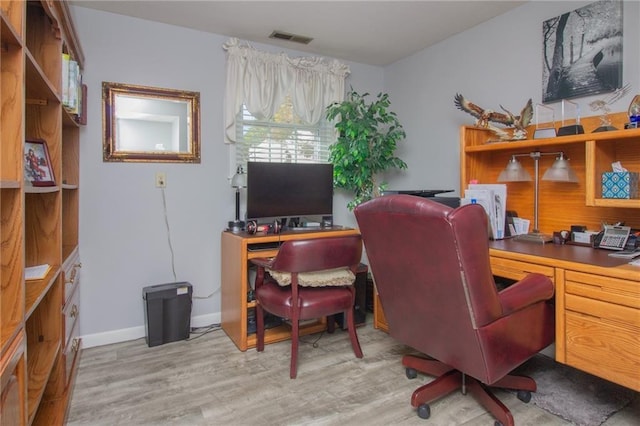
[[161, 180]]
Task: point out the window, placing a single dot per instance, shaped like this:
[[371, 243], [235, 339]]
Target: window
[[283, 139]]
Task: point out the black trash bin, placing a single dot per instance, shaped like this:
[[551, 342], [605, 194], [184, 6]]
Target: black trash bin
[[167, 311]]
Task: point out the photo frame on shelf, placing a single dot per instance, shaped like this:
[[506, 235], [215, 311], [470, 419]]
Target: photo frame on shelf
[[37, 163]]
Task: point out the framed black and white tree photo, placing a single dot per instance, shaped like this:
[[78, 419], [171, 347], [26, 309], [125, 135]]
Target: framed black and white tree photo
[[582, 52]]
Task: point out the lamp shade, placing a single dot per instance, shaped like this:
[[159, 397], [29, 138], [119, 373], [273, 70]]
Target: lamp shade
[[560, 171], [514, 172], [239, 180]]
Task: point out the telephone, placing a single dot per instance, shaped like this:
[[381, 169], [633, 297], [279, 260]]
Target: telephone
[[613, 237]]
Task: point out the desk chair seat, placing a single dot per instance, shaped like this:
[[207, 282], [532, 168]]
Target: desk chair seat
[[430, 264], [313, 302], [291, 286]]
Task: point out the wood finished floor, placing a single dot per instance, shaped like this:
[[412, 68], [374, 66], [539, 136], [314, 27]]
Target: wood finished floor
[[207, 381]]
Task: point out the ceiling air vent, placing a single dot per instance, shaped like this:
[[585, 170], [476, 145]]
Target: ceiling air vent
[[280, 35]]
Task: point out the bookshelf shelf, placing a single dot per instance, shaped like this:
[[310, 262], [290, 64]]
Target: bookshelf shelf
[[9, 184]]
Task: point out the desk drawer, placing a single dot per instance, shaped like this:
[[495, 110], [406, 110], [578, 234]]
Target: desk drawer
[[71, 311], [609, 313], [604, 348], [71, 354], [517, 270], [602, 324], [598, 287], [71, 275]]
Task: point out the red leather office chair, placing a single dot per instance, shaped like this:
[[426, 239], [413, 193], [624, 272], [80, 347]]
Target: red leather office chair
[[308, 279], [430, 265]]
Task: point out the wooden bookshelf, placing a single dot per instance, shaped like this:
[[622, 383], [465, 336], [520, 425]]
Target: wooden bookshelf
[[38, 224]]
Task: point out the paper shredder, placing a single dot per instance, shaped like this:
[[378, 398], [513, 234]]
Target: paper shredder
[[167, 311]]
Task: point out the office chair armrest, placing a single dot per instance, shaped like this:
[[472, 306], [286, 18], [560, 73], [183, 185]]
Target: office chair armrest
[[264, 262], [531, 289]]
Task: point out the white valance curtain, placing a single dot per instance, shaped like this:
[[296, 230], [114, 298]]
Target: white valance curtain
[[261, 80]]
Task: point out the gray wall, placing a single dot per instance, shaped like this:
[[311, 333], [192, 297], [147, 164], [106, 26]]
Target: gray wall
[[123, 238]]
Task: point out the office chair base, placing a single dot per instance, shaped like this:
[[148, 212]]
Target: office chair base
[[448, 380]]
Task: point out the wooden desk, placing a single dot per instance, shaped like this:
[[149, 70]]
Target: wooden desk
[[597, 300], [237, 250]]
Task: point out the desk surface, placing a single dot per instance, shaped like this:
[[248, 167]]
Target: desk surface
[[565, 252]]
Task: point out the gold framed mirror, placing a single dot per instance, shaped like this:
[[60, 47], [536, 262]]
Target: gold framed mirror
[[150, 124]]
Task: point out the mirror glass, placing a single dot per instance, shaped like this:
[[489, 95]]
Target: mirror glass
[[150, 124]]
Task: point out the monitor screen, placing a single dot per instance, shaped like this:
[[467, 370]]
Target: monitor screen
[[279, 190]]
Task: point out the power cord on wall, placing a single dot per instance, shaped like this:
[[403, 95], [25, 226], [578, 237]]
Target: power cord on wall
[[166, 221], [209, 296], [173, 266]]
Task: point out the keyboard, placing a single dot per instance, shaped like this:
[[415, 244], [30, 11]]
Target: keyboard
[[263, 246]]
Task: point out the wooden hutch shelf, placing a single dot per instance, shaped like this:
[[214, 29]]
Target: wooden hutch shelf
[[561, 204]]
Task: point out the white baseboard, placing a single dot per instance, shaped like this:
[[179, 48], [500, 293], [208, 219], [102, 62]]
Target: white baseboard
[[133, 333]]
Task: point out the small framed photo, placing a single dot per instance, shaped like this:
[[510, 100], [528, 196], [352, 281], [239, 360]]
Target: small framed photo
[[37, 163]]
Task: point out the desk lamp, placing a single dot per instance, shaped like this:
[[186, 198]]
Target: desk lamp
[[560, 171], [239, 180]]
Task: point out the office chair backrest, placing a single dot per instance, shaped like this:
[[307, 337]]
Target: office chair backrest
[[430, 264], [319, 254]]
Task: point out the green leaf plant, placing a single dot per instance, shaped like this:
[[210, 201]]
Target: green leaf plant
[[368, 134]]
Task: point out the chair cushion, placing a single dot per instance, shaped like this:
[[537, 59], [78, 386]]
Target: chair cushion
[[313, 302], [325, 278]]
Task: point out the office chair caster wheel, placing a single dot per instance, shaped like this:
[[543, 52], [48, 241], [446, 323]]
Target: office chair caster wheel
[[524, 396], [424, 411], [411, 373]]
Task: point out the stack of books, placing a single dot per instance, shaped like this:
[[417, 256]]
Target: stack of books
[[72, 88], [38, 272]]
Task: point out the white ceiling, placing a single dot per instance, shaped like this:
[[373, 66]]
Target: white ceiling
[[368, 32]]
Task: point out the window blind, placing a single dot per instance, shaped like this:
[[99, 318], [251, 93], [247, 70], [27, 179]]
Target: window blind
[[284, 138]]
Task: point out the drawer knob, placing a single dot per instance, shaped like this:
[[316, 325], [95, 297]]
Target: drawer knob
[[74, 273]]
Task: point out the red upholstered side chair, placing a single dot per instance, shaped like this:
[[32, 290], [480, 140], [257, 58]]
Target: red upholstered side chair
[[308, 279], [430, 264]]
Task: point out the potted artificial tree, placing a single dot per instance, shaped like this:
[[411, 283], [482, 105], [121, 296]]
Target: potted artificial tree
[[368, 134]]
